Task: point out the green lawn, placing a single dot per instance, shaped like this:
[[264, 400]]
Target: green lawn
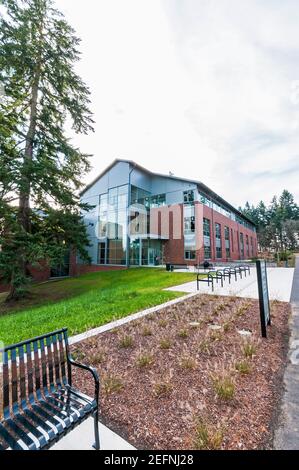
[[86, 302]]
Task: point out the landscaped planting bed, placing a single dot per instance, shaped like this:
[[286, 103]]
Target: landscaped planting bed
[[196, 375]]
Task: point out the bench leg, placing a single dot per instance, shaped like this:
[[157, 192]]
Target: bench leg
[[96, 445]]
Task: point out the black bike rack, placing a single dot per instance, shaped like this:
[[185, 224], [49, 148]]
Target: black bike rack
[[209, 280]]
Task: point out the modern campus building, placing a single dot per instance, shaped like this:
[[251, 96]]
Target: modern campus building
[[141, 218]]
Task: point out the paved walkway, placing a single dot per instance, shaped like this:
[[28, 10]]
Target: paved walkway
[[287, 435], [82, 438], [279, 280]]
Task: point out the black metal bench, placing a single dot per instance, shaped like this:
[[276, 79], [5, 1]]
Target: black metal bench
[[172, 266], [40, 405]]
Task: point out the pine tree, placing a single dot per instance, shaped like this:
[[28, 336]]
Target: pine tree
[[39, 166]]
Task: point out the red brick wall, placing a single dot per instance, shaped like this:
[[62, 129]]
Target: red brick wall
[[40, 273], [216, 217], [174, 248], [92, 268]]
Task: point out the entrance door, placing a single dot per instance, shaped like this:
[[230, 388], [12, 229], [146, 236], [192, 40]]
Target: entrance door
[[101, 253], [135, 247], [151, 257]]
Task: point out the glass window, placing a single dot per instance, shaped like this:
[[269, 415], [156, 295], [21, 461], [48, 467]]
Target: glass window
[[102, 225], [189, 196], [242, 244], [218, 240], [207, 252], [157, 201], [206, 227], [227, 242], [189, 219], [112, 197], [207, 238], [116, 253], [191, 254]]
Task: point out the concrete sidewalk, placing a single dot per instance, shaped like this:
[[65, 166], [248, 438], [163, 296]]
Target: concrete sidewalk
[[279, 280], [82, 438], [287, 434]]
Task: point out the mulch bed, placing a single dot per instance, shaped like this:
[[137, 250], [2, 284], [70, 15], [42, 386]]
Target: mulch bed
[[172, 380]]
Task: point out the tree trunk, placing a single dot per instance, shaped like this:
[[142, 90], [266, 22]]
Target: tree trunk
[[24, 200]]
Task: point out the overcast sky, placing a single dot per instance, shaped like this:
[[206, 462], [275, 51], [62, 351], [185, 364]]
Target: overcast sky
[[207, 89]]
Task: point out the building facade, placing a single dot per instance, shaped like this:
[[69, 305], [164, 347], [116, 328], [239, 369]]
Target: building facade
[[141, 218]]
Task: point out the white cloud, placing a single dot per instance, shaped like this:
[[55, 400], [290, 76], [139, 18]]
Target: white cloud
[[201, 88]]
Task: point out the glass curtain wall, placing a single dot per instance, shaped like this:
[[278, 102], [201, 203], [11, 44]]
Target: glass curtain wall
[[112, 226]]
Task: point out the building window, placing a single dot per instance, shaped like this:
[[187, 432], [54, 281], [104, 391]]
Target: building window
[[158, 200], [218, 241], [232, 238], [207, 238], [227, 242], [189, 197], [251, 243], [207, 252], [190, 254], [242, 245], [102, 253], [247, 245], [189, 219]]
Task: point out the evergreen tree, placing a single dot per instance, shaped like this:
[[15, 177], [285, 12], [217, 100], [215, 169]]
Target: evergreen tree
[[40, 168], [278, 224]]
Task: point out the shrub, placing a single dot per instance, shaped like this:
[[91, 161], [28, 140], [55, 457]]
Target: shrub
[[207, 437], [205, 346], [144, 359], [187, 362], [183, 334], [163, 323], [78, 355], [96, 357], [216, 335], [241, 310], [243, 367], [126, 341], [224, 386], [146, 331], [111, 384], [165, 343], [162, 388], [249, 349]]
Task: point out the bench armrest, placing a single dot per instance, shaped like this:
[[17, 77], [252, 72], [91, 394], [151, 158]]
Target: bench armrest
[[94, 373]]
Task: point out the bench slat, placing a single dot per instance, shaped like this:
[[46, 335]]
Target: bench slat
[[22, 375], [9, 439], [13, 425], [50, 363], [5, 385], [31, 428], [62, 355], [29, 372]]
